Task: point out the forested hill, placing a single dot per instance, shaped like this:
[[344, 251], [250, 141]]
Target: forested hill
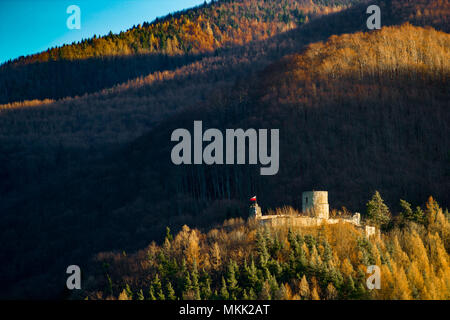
[[166, 43], [200, 29], [357, 110], [180, 38], [242, 260]]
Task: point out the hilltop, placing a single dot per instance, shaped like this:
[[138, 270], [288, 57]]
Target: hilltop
[[243, 260]]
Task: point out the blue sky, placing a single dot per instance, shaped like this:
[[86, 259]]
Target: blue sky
[[31, 26]]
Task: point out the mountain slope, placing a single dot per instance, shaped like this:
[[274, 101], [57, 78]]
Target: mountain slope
[[349, 131], [177, 39], [135, 106]]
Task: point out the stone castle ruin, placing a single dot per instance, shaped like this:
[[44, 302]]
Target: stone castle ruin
[[315, 211]]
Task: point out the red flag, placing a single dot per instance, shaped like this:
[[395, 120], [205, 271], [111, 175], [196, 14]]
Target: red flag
[[253, 198]]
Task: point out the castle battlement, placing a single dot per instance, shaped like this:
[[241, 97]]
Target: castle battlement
[[315, 209]]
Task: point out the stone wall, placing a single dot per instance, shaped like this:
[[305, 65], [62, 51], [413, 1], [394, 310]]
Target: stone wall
[[305, 221], [297, 221]]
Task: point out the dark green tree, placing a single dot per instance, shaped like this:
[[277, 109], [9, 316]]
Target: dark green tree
[[224, 291], [140, 295], [157, 288], [408, 213], [195, 282], [377, 211], [233, 288], [170, 292]]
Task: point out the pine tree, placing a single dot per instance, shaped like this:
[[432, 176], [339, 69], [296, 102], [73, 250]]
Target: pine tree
[[128, 291], [291, 239], [170, 292], [169, 236], [331, 292], [265, 291], [123, 295], [401, 290], [315, 294], [157, 288], [302, 259], [195, 281], [253, 276], [140, 295], [273, 286], [188, 288], [223, 290], [361, 293], [281, 293], [262, 249], [244, 295], [251, 294], [304, 288], [232, 281], [408, 214], [276, 268], [109, 288], [350, 287], [327, 252], [377, 211], [151, 293], [216, 259], [183, 267], [206, 289]]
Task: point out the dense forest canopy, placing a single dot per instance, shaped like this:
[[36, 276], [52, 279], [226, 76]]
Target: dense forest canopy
[[176, 39], [243, 260], [200, 29]]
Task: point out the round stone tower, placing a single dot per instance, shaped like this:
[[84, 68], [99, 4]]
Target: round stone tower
[[315, 203]]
